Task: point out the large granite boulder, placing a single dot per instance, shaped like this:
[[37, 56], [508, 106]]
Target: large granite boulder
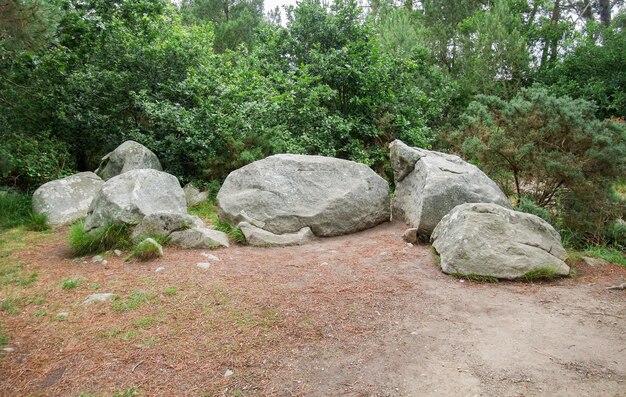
[[430, 184], [286, 193], [66, 200], [130, 155], [489, 240], [129, 197]]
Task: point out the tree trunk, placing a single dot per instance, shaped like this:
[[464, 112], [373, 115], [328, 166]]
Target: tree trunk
[[605, 12]]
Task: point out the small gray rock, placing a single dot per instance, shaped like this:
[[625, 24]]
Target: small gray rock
[[117, 252], [228, 373], [203, 265], [130, 155], [259, 237], [210, 256], [148, 249], [410, 235], [199, 237], [98, 298], [594, 261], [194, 196], [97, 259], [159, 269]]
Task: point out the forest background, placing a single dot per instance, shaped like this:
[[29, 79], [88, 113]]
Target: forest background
[[531, 91]]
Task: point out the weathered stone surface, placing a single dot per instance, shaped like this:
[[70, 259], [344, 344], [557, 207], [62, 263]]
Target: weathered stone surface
[[130, 155], [66, 200], [410, 235], [259, 237], [98, 298], [129, 197], [161, 224], [490, 240], [194, 196], [429, 184], [285, 193], [199, 237]]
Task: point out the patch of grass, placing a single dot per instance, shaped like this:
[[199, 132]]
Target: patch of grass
[[110, 333], [4, 337], [207, 211], [542, 273], [130, 392], [40, 313], [15, 274], [10, 305], [234, 233], [71, 282], [15, 209], [146, 250], [132, 302], [37, 222], [476, 277], [109, 237], [609, 254], [144, 322], [170, 291], [130, 335]]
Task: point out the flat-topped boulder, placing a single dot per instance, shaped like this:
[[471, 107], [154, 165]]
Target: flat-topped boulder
[[129, 197], [429, 184], [481, 239], [285, 193], [66, 200], [130, 155]]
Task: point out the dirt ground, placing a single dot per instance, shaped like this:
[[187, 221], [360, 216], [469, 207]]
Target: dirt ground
[[359, 315]]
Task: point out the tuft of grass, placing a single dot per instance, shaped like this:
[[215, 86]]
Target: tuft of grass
[[37, 222], [132, 302], [10, 305], [15, 274], [4, 337], [609, 254], [234, 233], [109, 237], [207, 211], [144, 322], [476, 277], [130, 392], [71, 282], [146, 250], [542, 273], [170, 291]]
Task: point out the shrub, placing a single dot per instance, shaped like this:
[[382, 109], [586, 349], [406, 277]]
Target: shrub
[[527, 205], [552, 150], [109, 237]]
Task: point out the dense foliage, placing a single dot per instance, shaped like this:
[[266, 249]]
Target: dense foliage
[[211, 85]]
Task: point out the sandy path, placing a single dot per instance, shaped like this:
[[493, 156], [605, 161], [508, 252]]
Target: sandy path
[[359, 315]]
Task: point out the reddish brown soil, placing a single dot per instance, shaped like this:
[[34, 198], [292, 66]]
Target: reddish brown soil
[[359, 315]]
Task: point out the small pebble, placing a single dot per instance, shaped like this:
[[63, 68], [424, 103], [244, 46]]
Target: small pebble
[[159, 269], [97, 259], [117, 252], [8, 349], [203, 265], [210, 257], [228, 373], [98, 298]]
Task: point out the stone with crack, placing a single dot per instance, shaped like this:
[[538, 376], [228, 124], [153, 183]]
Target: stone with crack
[[429, 184], [484, 239]]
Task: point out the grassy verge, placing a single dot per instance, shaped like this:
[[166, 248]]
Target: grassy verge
[[109, 237]]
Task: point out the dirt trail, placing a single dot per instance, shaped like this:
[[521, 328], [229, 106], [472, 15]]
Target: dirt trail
[[359, 315]]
